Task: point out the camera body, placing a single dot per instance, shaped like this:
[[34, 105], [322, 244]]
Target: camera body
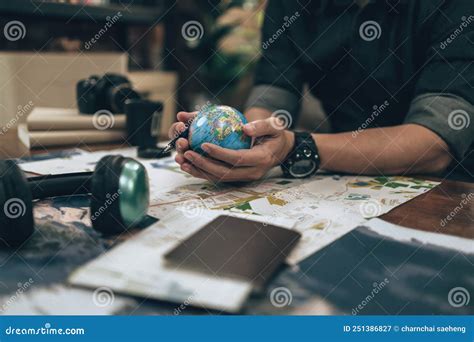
[[109, 92], [114, 93]]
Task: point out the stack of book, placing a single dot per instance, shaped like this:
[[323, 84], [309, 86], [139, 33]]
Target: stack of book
[[67, 127]]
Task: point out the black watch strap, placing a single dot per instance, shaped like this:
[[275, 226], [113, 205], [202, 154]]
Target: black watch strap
[[303, 149]]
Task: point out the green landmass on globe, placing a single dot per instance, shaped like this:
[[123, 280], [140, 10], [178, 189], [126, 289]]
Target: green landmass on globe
[[219, 125]]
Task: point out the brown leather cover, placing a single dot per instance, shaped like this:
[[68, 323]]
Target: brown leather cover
[[235, 247]]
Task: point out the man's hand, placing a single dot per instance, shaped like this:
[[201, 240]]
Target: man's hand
[[272, 145], [184, 120]]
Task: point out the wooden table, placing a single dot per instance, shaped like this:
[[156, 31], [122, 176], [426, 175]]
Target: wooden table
[[425, 212]]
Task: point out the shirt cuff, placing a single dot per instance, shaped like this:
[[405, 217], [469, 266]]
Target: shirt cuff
[[447, 115], [273, 98]]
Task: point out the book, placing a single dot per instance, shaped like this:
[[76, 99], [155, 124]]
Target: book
[[33, 139], [56, 119]]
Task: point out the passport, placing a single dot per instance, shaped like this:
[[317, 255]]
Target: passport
[[235, 248]]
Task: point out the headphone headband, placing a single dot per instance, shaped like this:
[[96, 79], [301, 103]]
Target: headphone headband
[[60, 185]]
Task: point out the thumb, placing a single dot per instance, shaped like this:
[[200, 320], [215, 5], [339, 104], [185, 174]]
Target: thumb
[[259, 128], [186, 117]]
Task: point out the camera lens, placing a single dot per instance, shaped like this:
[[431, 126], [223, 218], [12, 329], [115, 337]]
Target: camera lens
[[118, 95], [143, 122]]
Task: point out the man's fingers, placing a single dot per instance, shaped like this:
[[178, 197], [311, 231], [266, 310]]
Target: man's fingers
[[198, 173], [258, 128], [207, 164], [246, 157], [184, 120], [182, 145], [220, 172], [179, 158], [175, 129], [186, 117]]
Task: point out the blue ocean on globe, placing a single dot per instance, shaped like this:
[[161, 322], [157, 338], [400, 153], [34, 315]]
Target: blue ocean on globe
[[219, 125]]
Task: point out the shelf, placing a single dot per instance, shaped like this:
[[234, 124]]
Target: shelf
[[70, 12]]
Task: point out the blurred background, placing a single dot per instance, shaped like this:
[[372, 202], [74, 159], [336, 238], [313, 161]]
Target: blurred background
[[183, 53]]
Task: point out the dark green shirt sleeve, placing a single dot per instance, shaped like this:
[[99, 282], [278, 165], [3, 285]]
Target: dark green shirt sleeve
[[447, 115], [444, 94]]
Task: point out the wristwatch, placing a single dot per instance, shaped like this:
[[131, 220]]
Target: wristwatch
[[303, 160]]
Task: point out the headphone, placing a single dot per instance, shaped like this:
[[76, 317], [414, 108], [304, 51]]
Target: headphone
[[118, 187]]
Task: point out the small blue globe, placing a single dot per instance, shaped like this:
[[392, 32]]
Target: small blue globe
[[219, 125]]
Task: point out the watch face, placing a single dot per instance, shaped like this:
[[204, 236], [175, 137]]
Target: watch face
[[302, 168]]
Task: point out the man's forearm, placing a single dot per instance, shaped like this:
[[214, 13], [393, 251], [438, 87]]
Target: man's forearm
[[408, 148], [390, 150]]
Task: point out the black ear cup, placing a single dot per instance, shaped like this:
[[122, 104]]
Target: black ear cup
[[119, 197], [105, 196], [16, 208]]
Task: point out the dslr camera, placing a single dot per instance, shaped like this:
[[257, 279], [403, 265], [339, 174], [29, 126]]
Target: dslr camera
[[109, 92]]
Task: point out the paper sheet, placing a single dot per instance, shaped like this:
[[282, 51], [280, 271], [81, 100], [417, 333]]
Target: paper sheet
[[80, 162], [63, 300], [404, 234], [136, 267], [322, 208]]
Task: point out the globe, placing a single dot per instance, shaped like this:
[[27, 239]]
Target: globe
[[219, 125]]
